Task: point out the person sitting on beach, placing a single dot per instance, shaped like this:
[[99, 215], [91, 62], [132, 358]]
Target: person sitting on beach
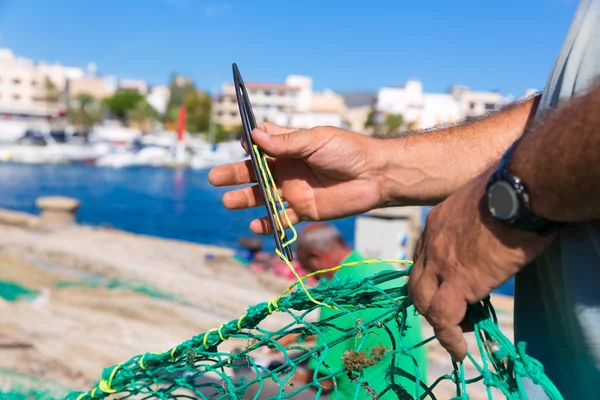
[[320, 246]]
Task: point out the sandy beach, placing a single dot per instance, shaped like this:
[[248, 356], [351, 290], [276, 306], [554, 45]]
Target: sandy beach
[[69, 332]]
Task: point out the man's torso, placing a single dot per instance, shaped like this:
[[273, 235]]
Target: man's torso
[[557, 298]]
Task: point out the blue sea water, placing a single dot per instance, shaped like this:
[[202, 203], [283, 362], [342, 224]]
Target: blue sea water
[[178, 204], [170, 203]]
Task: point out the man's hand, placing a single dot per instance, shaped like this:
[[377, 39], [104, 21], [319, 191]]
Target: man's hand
[[461, 256], [323, 173]]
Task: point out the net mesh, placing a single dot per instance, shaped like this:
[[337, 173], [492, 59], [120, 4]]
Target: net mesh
[[17, 386], [200, 368]]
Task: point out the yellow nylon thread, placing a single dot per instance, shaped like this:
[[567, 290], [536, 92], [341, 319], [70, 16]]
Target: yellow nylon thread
[[240, 322], [268, 189], [141, 362], [81, 396], [104, 385], [300, 281], [220, 334], [173, 353], [206, 336], [273, 195], [280, 201], [93, 392]]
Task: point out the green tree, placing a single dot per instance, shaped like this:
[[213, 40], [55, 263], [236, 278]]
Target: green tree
[[87, 111], [179, 88], [221, 134], [143, 115], [393, 122], [51, 93], [198, 106], [370, 122], [122, 102]]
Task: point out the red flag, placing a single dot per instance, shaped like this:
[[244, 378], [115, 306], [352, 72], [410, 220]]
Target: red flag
[[181, 123]]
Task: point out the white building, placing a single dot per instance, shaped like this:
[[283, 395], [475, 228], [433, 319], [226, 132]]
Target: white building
[[424, 110], [473, 104], [292, 104], [24, 91], [158, 97], [420, 110]]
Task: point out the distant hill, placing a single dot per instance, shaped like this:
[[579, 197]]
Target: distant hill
[[359, 99]]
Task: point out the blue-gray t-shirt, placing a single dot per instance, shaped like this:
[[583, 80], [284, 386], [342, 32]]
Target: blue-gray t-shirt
[[557, 297]]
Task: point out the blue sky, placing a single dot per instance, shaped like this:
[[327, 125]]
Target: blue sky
[[504, 45]]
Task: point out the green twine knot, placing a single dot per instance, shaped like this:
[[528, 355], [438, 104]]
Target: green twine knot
[[404, 350], [531, 367]]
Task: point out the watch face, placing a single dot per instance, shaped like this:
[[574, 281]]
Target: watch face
[[502, 200]]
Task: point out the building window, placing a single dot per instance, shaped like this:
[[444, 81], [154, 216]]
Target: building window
[[16, 81], [472, 105], [219, 113], [16, 97], [233, 114], [490, 106], [33, 83], [267, 92]]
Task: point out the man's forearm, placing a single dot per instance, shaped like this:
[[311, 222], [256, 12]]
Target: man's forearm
[[423, 168], [559, 161]]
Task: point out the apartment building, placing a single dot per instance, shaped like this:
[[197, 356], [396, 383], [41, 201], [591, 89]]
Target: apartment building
[[98, 87], [134, 84], [473, 104], [292, 103], [422, 110], [33, 90]]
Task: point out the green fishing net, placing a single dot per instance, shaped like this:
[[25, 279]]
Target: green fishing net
[[199, 369]]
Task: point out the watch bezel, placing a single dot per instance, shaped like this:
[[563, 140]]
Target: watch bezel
[[523, 219], [512, 190]]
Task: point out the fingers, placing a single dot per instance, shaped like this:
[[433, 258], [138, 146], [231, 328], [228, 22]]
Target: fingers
[[245, 198], [269, 128], [440, 303], [262, 225], [295, 144], [272, 129], [446, 313], [232, 174], [422, 290]]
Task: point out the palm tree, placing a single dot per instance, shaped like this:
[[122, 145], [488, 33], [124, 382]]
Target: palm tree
[[51, 93], [88, 111], [142, 115]]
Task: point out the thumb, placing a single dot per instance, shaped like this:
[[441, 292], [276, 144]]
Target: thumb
[[297, 144]]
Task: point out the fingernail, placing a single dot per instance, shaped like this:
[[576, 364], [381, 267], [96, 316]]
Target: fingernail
[[261, 134]]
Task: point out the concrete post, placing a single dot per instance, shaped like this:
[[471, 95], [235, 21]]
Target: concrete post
[[57, 211], [389, 232]]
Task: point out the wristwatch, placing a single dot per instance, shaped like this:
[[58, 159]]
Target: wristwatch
[[508, 201]]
